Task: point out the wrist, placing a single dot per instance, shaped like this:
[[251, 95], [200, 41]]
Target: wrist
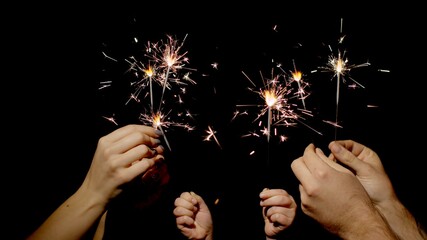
[[377, 228], [400, 220], [89, 198], [391, 204], [209, 236]]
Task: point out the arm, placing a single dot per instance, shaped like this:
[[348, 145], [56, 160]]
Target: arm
[[120, 157], [193, 217], [99, 233], [369, 170], [278, 209], [336, 199]]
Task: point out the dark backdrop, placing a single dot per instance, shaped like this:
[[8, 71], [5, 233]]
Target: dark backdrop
[[55, 109]]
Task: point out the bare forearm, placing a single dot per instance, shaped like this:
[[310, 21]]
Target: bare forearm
[[71, 220], [401, 220], [372, 226], [99, 233], [375, 233]]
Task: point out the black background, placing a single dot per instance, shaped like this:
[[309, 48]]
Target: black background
[[54, 110]]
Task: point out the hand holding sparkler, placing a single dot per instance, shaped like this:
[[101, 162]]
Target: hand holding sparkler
[[337, 199], [165, 60]]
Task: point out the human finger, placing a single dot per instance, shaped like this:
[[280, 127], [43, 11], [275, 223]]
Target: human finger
[[332, 162], [136, 154], [275, 197], [186, 200], [119, 133], [301, 171], [346, 157], [132, 140], [312, 160], [142, 166], [183, 221]]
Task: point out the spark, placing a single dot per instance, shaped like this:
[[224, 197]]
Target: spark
[[211, 134], [371, 106], [156, 72], [105, 84], [335, 124], [214, 65], [297, 76], [276, 94], [275, 28], [339, 65], [251, 134], [169, 59], [106, 56], [159, 120], [111, 119], [273, 95], [146, 75]]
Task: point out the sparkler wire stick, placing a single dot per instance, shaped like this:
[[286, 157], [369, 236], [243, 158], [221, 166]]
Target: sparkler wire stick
[[297, 76], [269, 124], [165, 138], [164, 62], [151, 94], [164, 85], [340, 67], [171, 57], [150, 73], [336, 104]]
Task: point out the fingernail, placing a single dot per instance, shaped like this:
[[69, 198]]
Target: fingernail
[[336, 148], [158, 132], [319, 150], [159, 160]]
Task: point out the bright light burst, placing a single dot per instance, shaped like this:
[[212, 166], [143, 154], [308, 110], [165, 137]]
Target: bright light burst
[[211, 135], [297, 76], [160, 120], [162, 67], [169, 60], [276, 95], [339, 65]]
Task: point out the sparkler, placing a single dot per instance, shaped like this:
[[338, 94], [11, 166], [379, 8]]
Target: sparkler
[[165, 61], [161, 67], [276, 94], [149, 73], [297, 76], [273, 95], [340, 67], [156, 120], [170, 60]]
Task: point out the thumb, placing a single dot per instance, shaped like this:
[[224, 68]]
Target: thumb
[[346, 157]]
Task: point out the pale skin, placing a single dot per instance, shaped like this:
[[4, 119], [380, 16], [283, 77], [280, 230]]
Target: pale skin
[[278, 210], [336, 199], [369, 170], [194, 219], [121, 156]]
